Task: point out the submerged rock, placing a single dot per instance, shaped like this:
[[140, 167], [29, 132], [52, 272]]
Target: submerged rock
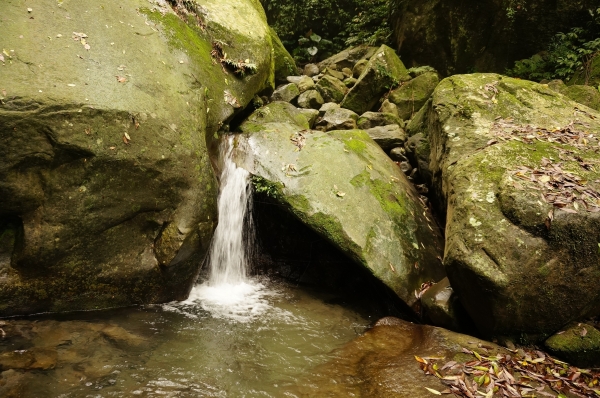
[[108, 195], [383, 71], [342, 185], [510, 160]]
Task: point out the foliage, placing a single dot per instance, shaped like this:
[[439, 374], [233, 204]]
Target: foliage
[[264, 186], [339, 24], [567, 53]]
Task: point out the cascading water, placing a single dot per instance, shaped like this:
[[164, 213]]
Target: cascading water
[[229, 292]]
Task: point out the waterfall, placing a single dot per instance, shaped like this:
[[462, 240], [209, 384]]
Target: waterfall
[[229, 292], [232, 241]]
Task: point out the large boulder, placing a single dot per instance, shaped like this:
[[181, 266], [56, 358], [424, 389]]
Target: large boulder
[[343, 186], [412, 95], [383, 71], [457, 36], [284, 63], [108, 195], [513, 164]]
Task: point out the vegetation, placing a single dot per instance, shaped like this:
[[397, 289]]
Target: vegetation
[[567, 54], [315, 29]]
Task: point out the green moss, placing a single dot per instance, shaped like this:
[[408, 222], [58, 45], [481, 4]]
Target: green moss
[[332, 228], [387, 198], [299, 203], [360, 180], [263, 186]]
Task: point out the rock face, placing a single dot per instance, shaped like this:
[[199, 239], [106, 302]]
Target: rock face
[[487, 35], [510, 161], [342, 185], [108, 195], [383, 71]]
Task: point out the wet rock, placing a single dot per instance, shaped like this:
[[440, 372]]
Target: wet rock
[[337, 119], [389, 107], [387, 137], [382, 72], [311, 116], [492, 214], [311, 70], [310, 99], [373, 119], [331, 89], [359, 68], [342, 185], [578, 343], [349, 57], [412, 95], [398, 154], [285, 93]]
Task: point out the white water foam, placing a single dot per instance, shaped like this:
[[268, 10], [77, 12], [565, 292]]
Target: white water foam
[[229, 292]]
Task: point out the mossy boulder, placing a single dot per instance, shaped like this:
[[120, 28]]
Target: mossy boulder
[[108, 195], [590, 75], [331, 89], [343, 186], [522, 255], [412, 95], [383, 71], [586, 95], [284, 63], [578, 344]]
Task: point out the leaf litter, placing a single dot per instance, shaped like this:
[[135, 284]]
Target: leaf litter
[[561, 188], [522, 373]]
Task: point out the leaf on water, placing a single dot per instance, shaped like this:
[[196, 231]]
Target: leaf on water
[[431, 390]]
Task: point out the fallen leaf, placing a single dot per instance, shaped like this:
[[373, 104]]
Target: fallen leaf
[[584, 332], [121, 79], [431, 390], [340, 194]]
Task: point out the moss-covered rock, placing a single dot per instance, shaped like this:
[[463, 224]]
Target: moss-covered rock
[[344, 186], [107, 190], [284, 63], [590, 75], [578, 344], [383, 71], [412, 95], [521, 265], [331, 89]]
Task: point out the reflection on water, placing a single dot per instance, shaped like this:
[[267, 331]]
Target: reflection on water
[[258, 339]]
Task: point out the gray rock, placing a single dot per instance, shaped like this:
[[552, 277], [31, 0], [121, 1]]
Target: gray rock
[[441, 307], [382, 72], [331, 89], [351, 193], [387, 137], [406, 168], [349, 57], [373, 119], [350, 82], [334, 73], [310, 99], [359, 68], [328, 106], [412, 95], [388, 107], [303, 82], [311, 115], [337, 119], [285, 93], [398, 154], [311, 70]]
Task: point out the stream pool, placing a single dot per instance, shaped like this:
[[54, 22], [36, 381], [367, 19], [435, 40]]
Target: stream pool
[[259, 339]]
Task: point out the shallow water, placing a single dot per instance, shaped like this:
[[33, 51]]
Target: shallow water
[[256, 340]]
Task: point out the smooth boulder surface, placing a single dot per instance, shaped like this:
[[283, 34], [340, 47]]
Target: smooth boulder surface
[[383, 71], [108, 195], [387, 137], [342, 185], [511, 162]]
